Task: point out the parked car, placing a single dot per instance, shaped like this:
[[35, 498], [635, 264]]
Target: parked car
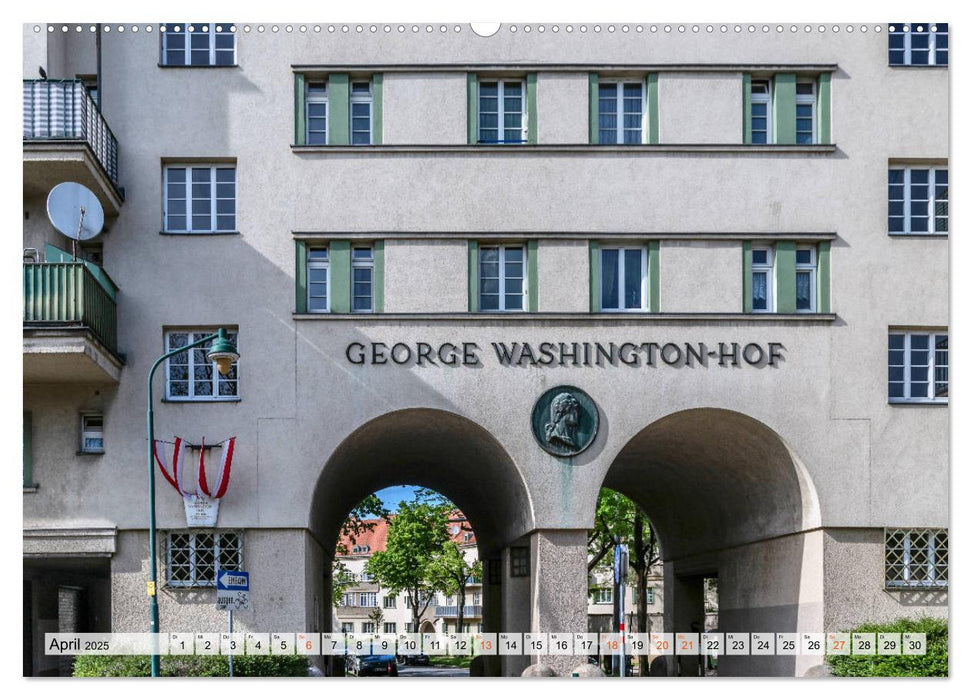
[[373, 665], [415, 660]]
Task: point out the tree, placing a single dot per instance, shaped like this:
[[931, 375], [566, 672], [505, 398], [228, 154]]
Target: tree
[[361, 519], [450, 573], [415, 535], [621, 521], [377, 617]]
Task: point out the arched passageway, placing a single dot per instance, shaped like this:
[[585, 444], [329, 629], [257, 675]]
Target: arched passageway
[[729, 499]]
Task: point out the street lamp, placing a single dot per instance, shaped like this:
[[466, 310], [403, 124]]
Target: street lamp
[[224, 354]]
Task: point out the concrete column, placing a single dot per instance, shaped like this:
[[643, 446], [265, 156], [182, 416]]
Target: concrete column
[[684, 611], [558, 589]]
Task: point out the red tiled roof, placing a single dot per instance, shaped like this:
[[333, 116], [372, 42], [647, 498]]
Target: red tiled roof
[[376, 537]]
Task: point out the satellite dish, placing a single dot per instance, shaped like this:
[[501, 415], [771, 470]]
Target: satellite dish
[[75, 211]]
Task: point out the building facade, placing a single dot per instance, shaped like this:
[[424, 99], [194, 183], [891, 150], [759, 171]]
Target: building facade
[[726, 251]]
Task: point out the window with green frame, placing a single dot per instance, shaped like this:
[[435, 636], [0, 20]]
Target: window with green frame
[[339, 276], [623, 109], [503, 276], [624, 277], [786, 277], [501, 110], [338, 109], [786, 108]]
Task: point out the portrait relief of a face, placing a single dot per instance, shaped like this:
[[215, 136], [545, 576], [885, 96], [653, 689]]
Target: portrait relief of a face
[[564, 421]]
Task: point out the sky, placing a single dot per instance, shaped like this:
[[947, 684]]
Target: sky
[[393, 495]]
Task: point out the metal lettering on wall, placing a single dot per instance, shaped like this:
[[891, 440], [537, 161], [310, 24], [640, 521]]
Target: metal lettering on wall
[[585, 354]]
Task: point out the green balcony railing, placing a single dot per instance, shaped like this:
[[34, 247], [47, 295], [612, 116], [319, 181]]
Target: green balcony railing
[[67, 294]]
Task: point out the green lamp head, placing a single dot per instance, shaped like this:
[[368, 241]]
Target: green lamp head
[[223, 352]]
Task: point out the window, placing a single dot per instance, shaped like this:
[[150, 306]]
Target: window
[[200, 198], [918, 200], [805, 278], [361, 102], [410, 627], [763, 278], [315, 104], [501, 277], [193, 558], [467, 537], [603, 596], [362, 270], [390, 602], [367, 627], [369, 600], [477, 598], [621, 112], [918, 367], [92, 433], [190, 375], [519, 561], [28, 451], [347, 600], [623, 279], [806, 112], [918, 44], [318, 280], [502, 111], [761, 122], [347, 627], [916, 558], [212, 44], [650, 595], [390, 627]]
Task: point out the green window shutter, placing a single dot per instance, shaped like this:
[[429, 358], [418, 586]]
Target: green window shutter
[[379, 277], [823, 305], [784, 107], [652, 119], [747, 111], [823, 109], [301, 277], [593, 107], [531, 123], [653, 276], [472, 93], [340, 277], [473, 276], [785, 277], [594, 276], [299, 109], [747, 277], [338, 109], [377, 126], [532, 273], [28, 450]]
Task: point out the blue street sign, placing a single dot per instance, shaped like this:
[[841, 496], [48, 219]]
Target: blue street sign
[[232, 580]]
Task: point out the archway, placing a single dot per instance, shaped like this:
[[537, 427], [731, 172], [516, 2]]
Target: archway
[[730, 499], [441, 451]]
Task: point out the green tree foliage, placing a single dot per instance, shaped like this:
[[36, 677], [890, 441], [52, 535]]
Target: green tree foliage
[[450, 572], [415, 535], [361, 519], [933, 663], [190, 666]]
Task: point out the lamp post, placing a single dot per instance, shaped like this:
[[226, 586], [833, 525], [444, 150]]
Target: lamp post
[[223, 353]]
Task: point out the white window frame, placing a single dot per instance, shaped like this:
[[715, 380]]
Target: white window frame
[[92, 433], [217, 378], [390, 602], [319, 264], [603, 596], [937, 559], [361, 98], [390, 628], [361, 264], [811, 267], [807, 100], [316, 98], [194, 581], [766, 99], [197, 28], [770, 283], [213, 197], [501, 114], [367, 627], [369, 599], [932, 366], [502, 248], [619, 105], [347, 628], [931, 43], [621, 259], [932, 200]]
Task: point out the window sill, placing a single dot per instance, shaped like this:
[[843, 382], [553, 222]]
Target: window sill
[[93, 453], [30, 489], [199, 233], [571, 148], [917, 65], [569, 317], [916, 402], [227, 399], [917, 235], [191, 67]]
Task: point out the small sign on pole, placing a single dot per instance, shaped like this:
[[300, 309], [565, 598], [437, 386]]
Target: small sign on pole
[[232, 590]]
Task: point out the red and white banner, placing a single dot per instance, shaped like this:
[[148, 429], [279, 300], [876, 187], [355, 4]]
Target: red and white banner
[[201, 502]]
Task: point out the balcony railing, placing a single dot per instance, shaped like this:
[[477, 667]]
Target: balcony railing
[[453, 611], [67, 294], [62, 110]]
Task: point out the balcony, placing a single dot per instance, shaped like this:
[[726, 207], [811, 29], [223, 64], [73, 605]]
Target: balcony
[[453, 611], [70, 324], [67, 140]]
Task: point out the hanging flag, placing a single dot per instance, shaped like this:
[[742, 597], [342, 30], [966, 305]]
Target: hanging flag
[[201, 504]]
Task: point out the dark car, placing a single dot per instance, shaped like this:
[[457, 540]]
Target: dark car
[[373, 665], [415, 660]]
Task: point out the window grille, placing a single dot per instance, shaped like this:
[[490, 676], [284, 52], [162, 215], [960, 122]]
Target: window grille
[[916, 559], [193, 558]]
